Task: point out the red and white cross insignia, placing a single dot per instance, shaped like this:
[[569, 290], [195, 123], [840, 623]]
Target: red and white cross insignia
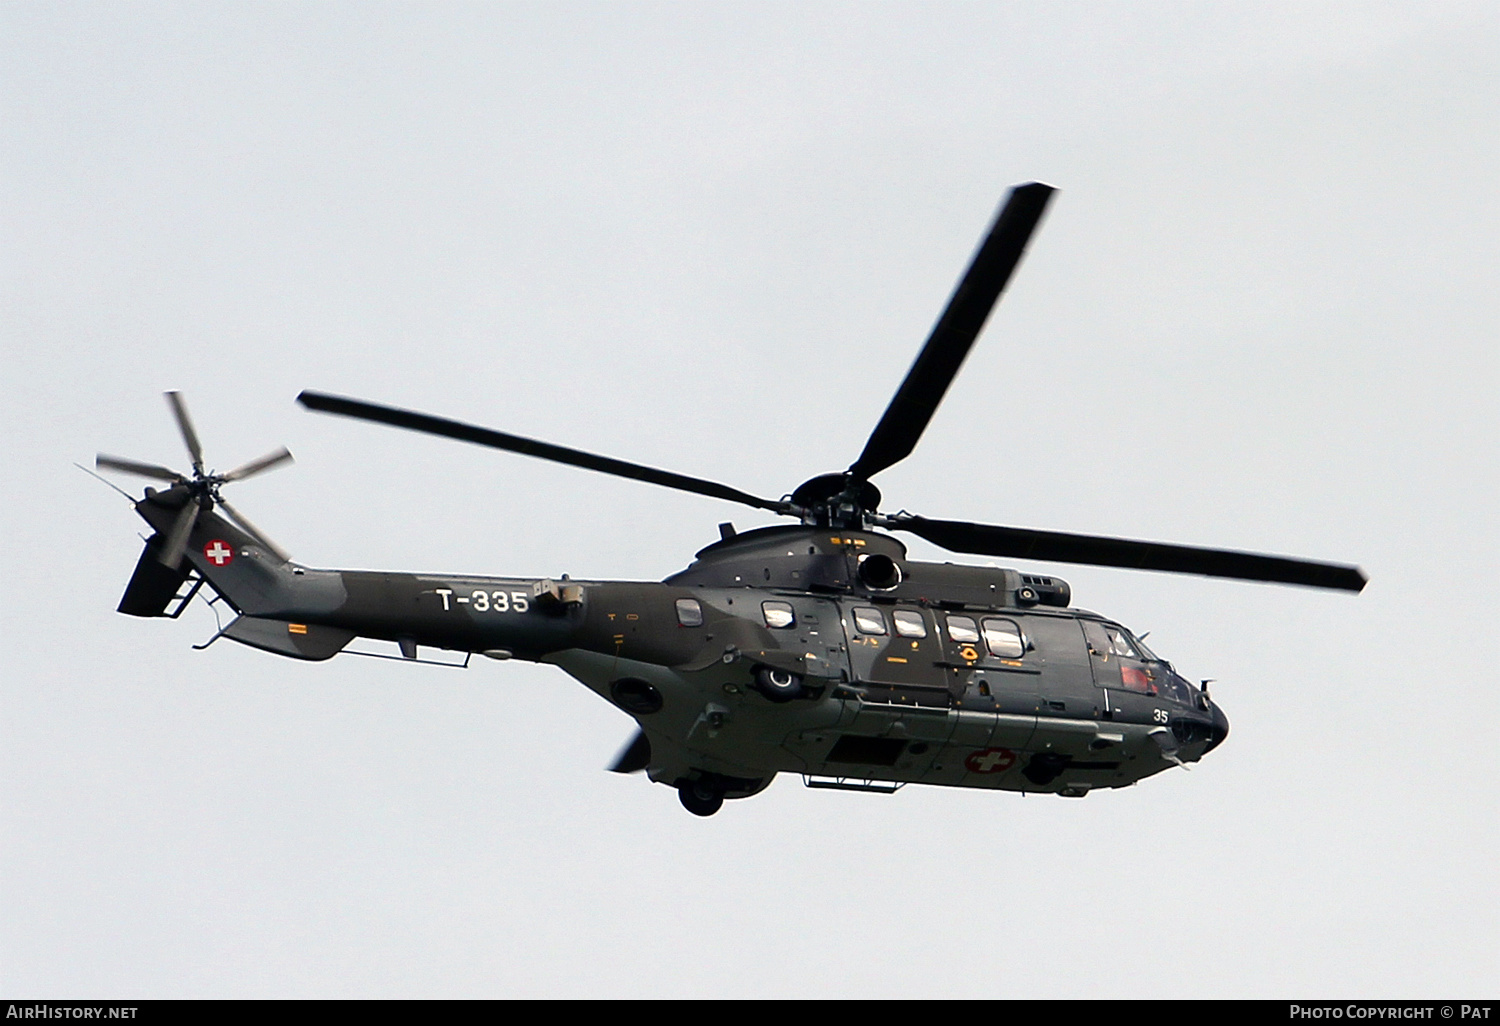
[[990, 760], [217, 553]]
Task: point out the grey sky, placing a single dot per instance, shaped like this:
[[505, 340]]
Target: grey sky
[[1260, 314]]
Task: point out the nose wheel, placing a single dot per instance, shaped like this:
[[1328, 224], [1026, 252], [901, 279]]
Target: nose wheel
[[700, 797]]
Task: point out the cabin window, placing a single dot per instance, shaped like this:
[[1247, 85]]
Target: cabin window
[[778, 614], [963, 630], [868, 620], [689, 613], [1003, 638], [910, 623]]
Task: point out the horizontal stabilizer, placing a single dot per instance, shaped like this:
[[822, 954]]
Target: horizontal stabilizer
[[297, 640]]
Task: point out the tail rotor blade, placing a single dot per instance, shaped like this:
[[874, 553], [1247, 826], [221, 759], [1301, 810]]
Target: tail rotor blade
[[254, 532], [135, 467], [254, 467], [179, 407], [182, 527]]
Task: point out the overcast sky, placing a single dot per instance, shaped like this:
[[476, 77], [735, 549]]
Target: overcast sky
[[1261, 314]]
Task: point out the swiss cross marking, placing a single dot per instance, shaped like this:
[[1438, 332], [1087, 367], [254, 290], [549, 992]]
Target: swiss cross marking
[[990, 760], [217, 553]]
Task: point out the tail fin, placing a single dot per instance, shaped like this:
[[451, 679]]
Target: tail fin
[[153, 586], [236, 565]]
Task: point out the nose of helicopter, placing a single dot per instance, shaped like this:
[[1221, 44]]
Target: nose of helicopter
[[1219, 730]]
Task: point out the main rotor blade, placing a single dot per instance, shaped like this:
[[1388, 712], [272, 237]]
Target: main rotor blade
[[254, 467], [189, 436], [177, 538], [1054, 546], [634, 757], [136, 467], [528, 447], [245, 525], [953, 335]]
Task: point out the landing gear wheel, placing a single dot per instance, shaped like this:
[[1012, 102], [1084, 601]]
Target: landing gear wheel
[[700, 798], [778, 685]]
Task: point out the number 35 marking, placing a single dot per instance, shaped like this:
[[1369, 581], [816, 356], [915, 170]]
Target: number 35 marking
[[488, 601]]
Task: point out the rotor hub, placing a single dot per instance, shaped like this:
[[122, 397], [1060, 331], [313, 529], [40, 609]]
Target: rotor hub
[[837, 500]]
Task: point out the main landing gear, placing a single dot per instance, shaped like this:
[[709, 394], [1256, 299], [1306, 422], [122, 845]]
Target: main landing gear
[[704, 793], [700, 797]]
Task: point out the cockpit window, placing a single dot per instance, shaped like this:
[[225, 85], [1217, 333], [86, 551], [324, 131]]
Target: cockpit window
[[1177, 689], [689, 613], [1119, 643], [778, 614], [909, 623], [1004, 638], [867, 620]]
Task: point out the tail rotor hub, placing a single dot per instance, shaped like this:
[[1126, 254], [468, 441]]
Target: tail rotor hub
[[202, 488]]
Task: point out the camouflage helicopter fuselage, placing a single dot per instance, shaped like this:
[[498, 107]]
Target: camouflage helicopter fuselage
[[806, 650]]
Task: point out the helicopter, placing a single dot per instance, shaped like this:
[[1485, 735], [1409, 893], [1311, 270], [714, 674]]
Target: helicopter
[[817, 648]]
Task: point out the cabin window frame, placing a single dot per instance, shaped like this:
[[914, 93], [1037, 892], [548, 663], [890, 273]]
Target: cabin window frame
[[914, 626], [1020, 642], [779, 616], [951, 627], [863, 619], [689, 612]]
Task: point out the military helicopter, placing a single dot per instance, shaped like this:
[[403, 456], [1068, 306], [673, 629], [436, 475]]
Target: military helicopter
[[818, 648]]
